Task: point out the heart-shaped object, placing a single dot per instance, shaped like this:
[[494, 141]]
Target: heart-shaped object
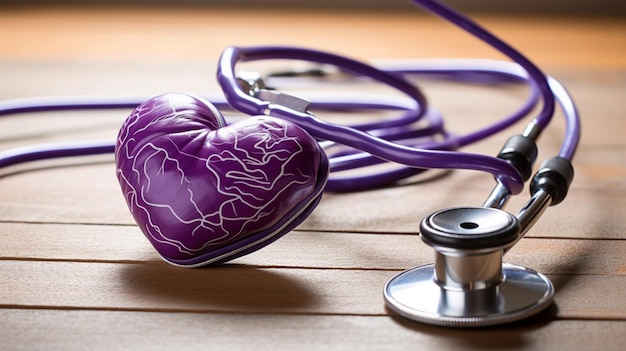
[[205, 192]]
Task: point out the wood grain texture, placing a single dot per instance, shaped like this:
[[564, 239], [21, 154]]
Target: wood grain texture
[[233, 289], [93, 197], [115, 330], [76, 271], [318, 250], [131, 33]]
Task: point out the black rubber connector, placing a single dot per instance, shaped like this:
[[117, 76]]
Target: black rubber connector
[[555, 176], [521, 152]]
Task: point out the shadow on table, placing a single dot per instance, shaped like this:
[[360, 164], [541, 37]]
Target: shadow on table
[[228, 288]]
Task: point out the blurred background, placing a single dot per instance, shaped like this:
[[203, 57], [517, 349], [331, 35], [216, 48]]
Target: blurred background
[[66, 47], [552, 7]]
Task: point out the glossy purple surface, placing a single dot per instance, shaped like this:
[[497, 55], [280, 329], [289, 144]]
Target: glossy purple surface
[[195, 185]]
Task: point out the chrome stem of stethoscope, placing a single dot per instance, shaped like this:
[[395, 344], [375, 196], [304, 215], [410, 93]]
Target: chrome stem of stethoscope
[[469, 285]]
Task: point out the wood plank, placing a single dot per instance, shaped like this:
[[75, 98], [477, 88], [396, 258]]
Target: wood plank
[[106, 330], [175, 33], [302, 249], [47, 196], [235, 289], [90, 197], [595, 92], [66, 242]]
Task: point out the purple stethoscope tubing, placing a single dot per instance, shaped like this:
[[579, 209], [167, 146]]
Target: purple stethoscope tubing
[[84, 148], [383, 149], [413, 157], [549, 87], [494, 71], [428, 154], [38, 152], [481, 71]]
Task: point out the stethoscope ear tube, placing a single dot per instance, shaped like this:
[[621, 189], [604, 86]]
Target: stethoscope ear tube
[[555, 177]]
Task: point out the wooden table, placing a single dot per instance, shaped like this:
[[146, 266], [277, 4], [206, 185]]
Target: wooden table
[[76, 272]]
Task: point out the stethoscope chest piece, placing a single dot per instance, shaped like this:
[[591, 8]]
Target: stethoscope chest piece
[[468, 285]]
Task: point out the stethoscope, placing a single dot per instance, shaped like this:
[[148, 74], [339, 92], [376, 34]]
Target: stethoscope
[[205, 190]]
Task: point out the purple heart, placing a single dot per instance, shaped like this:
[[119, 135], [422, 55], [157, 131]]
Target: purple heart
[[202, 191]]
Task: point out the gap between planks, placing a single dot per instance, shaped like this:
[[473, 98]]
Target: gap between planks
[[241, 289], [303, 249]]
